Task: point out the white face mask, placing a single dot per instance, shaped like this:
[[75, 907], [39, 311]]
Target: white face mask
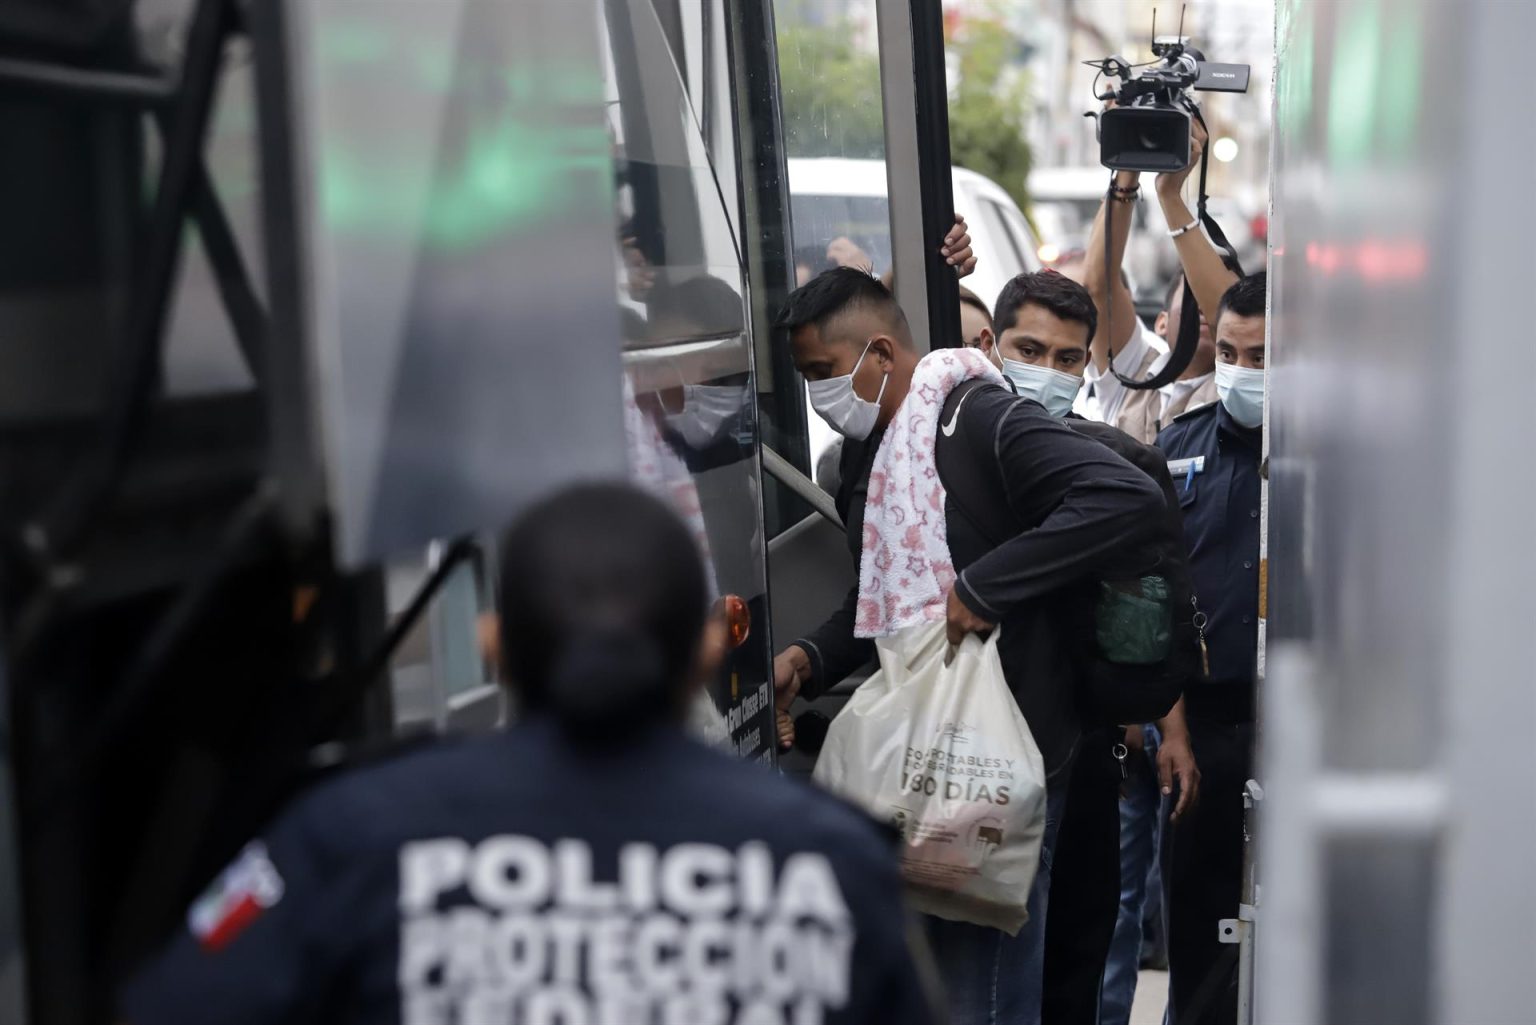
[[1241, 390], [840, 406], [707, 409], [1053, 389]]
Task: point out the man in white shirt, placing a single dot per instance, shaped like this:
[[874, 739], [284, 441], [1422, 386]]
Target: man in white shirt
[[1103, 397], [1144, 413]]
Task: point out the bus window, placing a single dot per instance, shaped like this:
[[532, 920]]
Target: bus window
[[834, 134], [690, 419], [828, 75]]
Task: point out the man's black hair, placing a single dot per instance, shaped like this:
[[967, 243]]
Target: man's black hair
[[1049, 290], [1246, 297], [831, 294], [975, 301]]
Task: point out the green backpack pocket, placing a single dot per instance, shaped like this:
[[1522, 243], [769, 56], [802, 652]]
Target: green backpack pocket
[[1133, 621]]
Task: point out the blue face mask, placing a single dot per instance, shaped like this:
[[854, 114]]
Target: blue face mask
[[1051, 388], [1241, 390]]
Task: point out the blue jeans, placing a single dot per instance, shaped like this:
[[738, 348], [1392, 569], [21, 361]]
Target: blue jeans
[[991, 978], [1141, 827]]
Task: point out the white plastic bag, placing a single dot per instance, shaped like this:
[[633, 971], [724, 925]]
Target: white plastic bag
[[935, 742]]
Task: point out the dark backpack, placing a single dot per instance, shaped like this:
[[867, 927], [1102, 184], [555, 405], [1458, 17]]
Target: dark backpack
[[1136, 643]]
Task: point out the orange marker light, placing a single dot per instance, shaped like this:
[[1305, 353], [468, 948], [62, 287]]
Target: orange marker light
[[738, 619]]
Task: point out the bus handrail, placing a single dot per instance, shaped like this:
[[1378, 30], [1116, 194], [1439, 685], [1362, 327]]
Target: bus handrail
[[781, 470]]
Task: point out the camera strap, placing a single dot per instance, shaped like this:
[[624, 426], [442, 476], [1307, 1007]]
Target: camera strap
[[1188, 339]]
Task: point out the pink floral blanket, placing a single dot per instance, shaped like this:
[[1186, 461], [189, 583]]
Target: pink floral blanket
[[905, 572]]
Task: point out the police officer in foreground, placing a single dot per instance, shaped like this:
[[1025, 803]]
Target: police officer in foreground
[[1214, 455], [590, 864]]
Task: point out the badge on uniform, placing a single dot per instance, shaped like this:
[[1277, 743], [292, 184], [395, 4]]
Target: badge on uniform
[[249, 886]]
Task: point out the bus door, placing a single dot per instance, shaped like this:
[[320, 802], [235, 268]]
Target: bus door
[[875, 182]]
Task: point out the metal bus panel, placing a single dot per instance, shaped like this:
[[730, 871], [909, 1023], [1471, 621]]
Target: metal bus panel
[[457, 221], [684, 384], [1398, 825]]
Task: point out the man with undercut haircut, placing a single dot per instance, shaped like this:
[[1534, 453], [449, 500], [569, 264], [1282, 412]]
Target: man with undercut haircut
[[1085, 512]]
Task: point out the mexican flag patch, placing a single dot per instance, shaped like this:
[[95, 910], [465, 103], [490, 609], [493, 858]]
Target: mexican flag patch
[[236, 898]]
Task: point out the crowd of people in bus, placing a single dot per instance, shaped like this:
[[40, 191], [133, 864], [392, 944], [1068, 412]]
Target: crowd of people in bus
[[592, 864]]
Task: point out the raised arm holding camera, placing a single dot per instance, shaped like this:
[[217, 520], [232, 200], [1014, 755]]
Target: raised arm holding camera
[[1207, 272], [1141, 414], [1151, 123]]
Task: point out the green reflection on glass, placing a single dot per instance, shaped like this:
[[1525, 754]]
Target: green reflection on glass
[[1296, 70], [534, 148], [561, 84], [353, 42], [1352, 97], [509, 178], [434, 69], [1402, 84]]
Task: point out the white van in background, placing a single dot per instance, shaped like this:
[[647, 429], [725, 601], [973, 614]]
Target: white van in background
[[833, 198]]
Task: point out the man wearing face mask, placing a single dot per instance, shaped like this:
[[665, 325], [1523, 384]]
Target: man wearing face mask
[[1088, 512], [1042, 327], [1214, 456]]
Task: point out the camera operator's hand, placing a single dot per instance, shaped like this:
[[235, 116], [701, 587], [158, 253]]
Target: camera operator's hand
[[1172, 183]]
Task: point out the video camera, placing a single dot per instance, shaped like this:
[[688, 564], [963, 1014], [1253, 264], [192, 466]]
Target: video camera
[[1148, 129]]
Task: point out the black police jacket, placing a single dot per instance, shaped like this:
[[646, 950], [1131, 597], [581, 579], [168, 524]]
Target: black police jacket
[[520, 877]]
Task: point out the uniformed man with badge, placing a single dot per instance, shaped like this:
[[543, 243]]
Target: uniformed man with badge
[[1214, 456], [591, 864]]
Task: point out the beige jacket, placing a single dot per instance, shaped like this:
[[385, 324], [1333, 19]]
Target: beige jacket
[[1139, 412]]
